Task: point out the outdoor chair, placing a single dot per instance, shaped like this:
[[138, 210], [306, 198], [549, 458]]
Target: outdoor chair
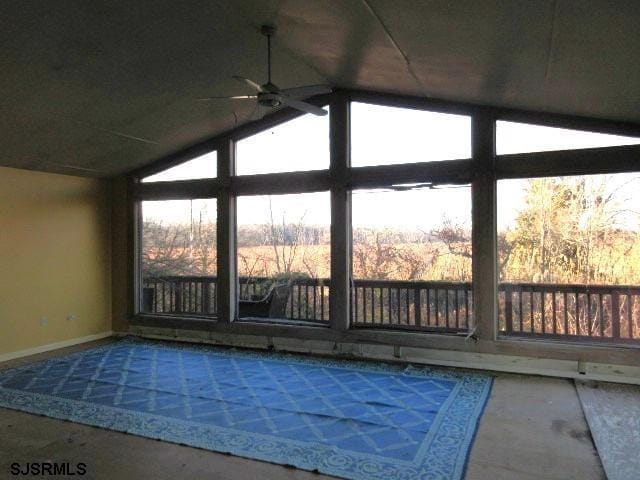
[[272, 305]]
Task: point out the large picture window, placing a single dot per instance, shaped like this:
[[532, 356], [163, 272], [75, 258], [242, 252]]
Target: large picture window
[[569, 256], [513, 137], [411, 258], [382, 135], [297, 145], [204, 166], [284, 256], [178, 258]]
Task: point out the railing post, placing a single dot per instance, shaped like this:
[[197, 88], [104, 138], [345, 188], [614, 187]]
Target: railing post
[[206, 292], [615, 314], [417, 306], [508, 309], [179, 298]]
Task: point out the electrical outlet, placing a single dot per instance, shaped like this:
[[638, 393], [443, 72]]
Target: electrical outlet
[[44, 321], [71, 317]]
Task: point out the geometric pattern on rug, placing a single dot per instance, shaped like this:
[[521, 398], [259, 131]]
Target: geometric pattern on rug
[[357, 420]]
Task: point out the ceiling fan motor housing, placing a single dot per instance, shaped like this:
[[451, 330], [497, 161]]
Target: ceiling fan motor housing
[[269, 99]]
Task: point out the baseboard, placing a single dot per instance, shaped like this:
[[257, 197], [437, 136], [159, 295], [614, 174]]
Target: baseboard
[[448, 358], [53, 346]]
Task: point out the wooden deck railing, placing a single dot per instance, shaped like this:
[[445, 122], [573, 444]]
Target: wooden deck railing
[[445, 306], [605, 313], [180, 294], [196, 295], [609, 313]]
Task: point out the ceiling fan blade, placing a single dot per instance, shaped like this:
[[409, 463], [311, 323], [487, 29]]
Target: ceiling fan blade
[[303, 106], [251, 83], [236, 97], [308, 91]]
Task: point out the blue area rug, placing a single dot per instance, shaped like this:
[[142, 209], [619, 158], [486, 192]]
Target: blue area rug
[[356, 420]]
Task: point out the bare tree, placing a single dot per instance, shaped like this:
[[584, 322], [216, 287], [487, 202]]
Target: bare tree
[[285, 240], [454, 236], [165, 250]]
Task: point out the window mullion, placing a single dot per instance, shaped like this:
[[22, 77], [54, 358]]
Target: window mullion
[[339, 304], [588, 161], [484, 260], [226, 281], [134, 223]]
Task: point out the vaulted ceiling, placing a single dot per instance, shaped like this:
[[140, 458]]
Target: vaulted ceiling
[[100, 88]]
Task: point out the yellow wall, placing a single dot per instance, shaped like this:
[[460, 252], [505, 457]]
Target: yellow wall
[[55, 254]]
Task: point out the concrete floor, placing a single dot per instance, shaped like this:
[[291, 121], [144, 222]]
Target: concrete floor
[[532, 428]]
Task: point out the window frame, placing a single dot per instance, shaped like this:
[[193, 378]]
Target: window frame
[[482, 171]]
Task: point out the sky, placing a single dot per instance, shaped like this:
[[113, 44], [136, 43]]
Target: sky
[[380, 135], [205, 166]]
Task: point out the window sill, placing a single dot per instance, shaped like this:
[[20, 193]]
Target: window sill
[[174, 321], [281, 321], [410, 329], [580, 342]]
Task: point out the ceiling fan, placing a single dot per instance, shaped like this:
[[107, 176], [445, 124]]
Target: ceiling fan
[[270, 96]]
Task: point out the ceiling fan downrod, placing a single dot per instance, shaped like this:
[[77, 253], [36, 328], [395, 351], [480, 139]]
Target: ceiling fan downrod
[[268, 31]]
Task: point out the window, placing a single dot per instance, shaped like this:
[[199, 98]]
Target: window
[[179, 257], [390, 135], [411, 258], [201, 167], [569, 256], [297, 145], [568, 246], [411, 240], [514, 137], [284, 256]]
